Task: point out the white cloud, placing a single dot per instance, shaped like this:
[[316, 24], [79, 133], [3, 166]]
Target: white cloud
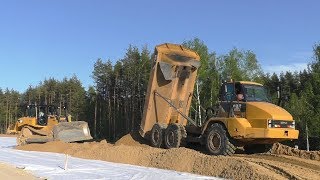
[[285, 67], [297, 61]]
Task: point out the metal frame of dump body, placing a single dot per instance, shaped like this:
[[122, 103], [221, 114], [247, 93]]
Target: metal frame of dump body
[[171, 86]]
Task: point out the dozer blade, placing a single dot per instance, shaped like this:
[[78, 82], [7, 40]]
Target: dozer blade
[[72, 131]]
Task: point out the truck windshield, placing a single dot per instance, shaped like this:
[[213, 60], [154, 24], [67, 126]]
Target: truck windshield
[[256, 93]]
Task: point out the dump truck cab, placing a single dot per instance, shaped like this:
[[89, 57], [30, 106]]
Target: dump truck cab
[[250, 119]]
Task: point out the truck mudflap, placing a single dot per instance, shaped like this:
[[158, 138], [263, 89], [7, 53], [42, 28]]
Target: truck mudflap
[[72, 131]]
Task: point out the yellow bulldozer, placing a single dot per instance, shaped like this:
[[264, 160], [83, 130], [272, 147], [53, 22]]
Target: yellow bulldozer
[[44, 123], [243, 116]]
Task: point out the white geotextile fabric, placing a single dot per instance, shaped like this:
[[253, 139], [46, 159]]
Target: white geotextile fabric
[[51, 166]]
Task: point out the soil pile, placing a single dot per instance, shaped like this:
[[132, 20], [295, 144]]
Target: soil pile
[[289, 151], [180, 159], [55, 146], [132, 150], [132, 139]]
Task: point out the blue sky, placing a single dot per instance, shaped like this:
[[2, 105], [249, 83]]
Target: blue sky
[[41, 38]]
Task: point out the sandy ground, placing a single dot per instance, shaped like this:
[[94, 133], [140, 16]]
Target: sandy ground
[[8, 135], [283, 163], [13, 173]]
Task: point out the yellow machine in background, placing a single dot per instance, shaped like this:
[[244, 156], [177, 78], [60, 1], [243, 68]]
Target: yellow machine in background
[[44, 123], [243, 116]]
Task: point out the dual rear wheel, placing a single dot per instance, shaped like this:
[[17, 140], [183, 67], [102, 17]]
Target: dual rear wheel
[[169, 137]]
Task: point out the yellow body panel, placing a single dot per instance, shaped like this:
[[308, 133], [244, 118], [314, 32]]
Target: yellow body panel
[[255, 126], [242, 130], [278, 133], [265, 110], [237, 126], [32, 121]]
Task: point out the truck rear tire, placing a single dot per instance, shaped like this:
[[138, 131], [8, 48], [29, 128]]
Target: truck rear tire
[[218, 141], [172, 136], [156, 138]]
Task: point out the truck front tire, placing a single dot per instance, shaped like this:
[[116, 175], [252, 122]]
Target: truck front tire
[[218, 142]]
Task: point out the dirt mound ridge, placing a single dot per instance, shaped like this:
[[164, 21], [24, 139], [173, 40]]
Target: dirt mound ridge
[[54, 146], [132, 150], [132, 139], [179, 159], [289, 151]]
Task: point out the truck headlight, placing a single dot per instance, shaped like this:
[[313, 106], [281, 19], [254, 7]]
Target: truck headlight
[[281, 124], [270, 123], [292, 125]]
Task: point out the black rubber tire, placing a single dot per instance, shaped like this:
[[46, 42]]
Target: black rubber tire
[[172, 136], [218, 141], [257, 148], [156, 136]]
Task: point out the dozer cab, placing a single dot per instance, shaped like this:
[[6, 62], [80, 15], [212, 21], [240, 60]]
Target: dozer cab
[[243, 115], [44, 123]]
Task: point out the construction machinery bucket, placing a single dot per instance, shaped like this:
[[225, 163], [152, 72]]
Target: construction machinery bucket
[[72, 131]]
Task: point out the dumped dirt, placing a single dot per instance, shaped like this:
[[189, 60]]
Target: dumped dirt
[[133, 139], [131, 149], [286, 150]]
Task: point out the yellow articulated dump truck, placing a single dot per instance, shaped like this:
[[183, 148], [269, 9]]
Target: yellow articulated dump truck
[[243, 117], [43, 123]]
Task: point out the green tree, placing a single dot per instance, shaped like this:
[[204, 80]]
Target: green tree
[[207, 84], [240, 65]]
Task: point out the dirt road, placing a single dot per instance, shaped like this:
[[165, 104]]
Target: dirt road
[[283, 163], [284, 167]]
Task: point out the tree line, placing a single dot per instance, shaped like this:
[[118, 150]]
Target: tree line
[[114, 105]]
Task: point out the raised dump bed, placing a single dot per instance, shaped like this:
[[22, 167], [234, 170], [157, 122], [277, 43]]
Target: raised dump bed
[[169, 94]]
